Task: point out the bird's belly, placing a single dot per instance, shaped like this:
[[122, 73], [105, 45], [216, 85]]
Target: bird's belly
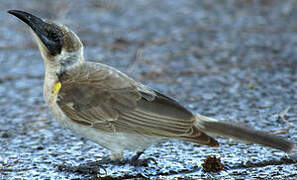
[[114, 141]]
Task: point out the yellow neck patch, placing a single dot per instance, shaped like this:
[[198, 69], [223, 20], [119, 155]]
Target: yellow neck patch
[[57, 86]]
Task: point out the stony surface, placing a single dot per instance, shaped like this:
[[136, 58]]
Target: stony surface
[[232, 60]]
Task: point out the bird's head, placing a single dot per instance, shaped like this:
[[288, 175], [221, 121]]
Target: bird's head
[[59, 46]]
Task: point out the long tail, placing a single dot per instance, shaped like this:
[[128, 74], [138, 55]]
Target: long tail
[[213, 126]]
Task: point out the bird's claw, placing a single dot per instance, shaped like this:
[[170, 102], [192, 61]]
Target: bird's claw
[[142, 162], [85, 168]]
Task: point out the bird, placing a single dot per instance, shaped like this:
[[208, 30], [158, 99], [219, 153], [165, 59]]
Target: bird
[[111, 109]]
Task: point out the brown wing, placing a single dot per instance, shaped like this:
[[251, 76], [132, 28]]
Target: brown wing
[[99, 96]]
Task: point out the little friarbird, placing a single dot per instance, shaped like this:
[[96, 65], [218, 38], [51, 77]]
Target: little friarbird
[[108, 107]]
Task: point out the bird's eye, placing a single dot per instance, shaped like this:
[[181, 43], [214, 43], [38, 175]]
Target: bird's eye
[[54, 36]]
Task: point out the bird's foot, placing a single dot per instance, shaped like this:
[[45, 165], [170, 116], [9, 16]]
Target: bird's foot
[[135, 161], [141, 162], [93, 167]]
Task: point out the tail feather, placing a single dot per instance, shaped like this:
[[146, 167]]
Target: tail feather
[[212, 126], [197, 136]]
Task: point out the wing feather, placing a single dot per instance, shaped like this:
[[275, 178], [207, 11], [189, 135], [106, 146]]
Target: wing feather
[[104, 98]]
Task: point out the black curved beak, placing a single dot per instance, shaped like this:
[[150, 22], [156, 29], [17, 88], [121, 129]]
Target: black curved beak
[[48, 34]]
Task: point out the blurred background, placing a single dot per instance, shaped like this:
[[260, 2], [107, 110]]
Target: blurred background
[[234, 60]]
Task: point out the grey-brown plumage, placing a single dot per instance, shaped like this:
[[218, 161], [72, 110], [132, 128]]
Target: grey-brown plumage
[[99, 96], [106, 106]]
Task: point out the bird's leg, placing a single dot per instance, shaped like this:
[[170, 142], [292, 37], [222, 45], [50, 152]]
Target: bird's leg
[[95, 167], [116, 157], [135, 161], [136, 156]]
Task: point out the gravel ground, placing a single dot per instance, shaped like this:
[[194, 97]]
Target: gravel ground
[[234, 60]]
